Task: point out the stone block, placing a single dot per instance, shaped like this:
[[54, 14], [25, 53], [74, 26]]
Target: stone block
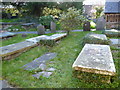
[[95, 59], [92, 38]]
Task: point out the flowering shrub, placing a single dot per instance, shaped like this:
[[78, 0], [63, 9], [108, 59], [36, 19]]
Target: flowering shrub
[[71, 19]]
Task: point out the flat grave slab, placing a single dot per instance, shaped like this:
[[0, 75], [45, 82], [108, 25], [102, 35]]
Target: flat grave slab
[[92, 38], [5, 34], [39, 62], [36, 39], [96, 59], [7, 51], [115, 41], [112, 33]]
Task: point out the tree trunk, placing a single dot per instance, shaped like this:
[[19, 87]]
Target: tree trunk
[[68, 32]]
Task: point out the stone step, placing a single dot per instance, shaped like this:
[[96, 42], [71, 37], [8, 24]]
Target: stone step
[[96, 59], [13, 50]]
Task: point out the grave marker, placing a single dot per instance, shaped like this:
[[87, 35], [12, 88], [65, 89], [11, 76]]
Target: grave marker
[[40, 29], [100, 25], [95, 59], [86, 26], [53, 27]]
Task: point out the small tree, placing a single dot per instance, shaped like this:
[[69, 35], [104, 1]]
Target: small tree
[[71, 19], [99, 11]]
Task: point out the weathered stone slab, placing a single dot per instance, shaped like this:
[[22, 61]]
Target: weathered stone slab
[[112, 33], [38, 63], [9, 50], [96, 59], [4, 84], [95, 39], [6, 34], [115, 41], [43, 73], [36, 39]]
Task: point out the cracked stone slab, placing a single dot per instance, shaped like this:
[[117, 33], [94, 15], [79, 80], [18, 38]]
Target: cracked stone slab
[[42, 59], [95, 58], [43, 73], [6, 34], [16, 48]]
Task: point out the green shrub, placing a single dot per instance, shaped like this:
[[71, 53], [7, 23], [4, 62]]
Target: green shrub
[[45, 20], [92, 25], [72, 19]]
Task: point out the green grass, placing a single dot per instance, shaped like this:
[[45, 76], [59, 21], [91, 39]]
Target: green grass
[[9, 20], [67, 51], [16, 39]]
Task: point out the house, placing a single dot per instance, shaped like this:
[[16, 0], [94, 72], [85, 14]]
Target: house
[[89, 7], [112, 14]]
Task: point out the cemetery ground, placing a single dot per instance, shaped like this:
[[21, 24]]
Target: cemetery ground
[[67, 51]]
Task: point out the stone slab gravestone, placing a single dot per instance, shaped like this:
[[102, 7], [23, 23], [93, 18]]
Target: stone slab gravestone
[[40, 29], [5, 34], [36, 39], [38, 61], [95, 59], [51, 40], [115, 41], [100, 25], [28, 25], [92, 38], [52, 27], [86, 26], [112, 33], [13, 50]]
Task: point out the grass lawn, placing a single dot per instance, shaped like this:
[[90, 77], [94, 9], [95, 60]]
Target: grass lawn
[[67, 50], [15, 39]]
